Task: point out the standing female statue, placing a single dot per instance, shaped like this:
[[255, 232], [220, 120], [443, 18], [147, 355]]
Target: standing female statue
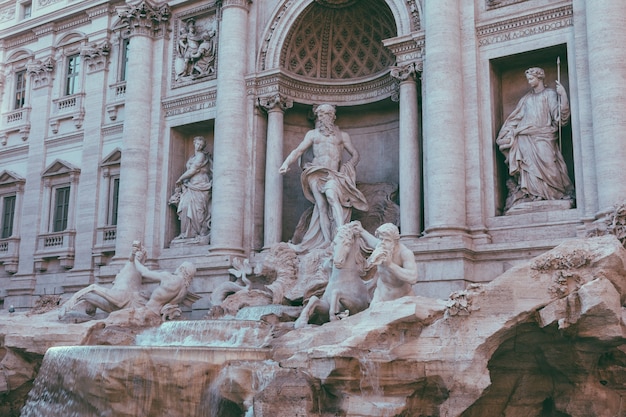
[[194, 189]]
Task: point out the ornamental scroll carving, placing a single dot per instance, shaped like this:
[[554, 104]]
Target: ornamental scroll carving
[[144, 18], [96, 55], [277, 101], [41, 72]]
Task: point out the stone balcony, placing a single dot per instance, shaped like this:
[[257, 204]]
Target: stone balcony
[[65, 108], [58, 245], [105, 244], [9, 254], [115, 99], [16, 121]]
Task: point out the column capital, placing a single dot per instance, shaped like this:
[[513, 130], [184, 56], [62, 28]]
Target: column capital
[[407, 72], [243, 4], [275, 102], [96, 55], [143, 18]]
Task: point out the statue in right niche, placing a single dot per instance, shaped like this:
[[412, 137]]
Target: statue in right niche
[[529, 141]]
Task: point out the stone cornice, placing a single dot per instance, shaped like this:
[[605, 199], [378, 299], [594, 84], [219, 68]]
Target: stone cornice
[[37, 30], [407, 49], [302, 91], [179, 105], [523, 26]]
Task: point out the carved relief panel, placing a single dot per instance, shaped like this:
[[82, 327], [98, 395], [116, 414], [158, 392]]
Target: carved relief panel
[[195, 46]]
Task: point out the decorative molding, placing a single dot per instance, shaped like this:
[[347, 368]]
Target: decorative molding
[[408, 72], [275, 102], [528, 25], [407, 49], [188, 104], [113, 130], [305, 92], [41, 72], [7, 13], [96, 55], [495, 4], [243, 4], [144, 18], [46, 3]]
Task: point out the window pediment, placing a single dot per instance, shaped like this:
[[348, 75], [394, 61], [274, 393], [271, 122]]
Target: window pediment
[[60, 167], [114, 158], [10, 178]]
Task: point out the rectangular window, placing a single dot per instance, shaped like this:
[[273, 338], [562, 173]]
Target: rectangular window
[[20, 89], [124, 59], [27, 10], [8, 214], [113, 201], [61, 208], [72, 80]]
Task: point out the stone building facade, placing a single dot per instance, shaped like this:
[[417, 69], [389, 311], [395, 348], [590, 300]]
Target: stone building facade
[[101, 101]]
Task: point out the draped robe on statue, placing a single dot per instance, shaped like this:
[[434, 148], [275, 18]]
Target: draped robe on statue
[[529, 141], [344, 183]]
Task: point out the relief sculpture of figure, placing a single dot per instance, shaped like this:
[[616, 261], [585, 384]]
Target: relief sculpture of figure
[[196, 51], [529, 140], [192, 195], [327, 182], [396, 267]]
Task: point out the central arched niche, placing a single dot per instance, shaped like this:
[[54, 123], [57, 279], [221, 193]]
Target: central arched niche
[[339, 40], [338, 44]]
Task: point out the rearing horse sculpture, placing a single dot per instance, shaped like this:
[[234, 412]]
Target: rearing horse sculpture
[[346, 293]]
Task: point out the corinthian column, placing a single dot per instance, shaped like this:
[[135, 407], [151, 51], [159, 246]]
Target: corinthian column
[[444, 143], [230, 160], [144, 22], [607, 72], [410, 162], [273, 213]]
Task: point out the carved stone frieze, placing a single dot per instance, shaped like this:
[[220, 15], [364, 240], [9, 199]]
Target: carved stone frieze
[[144, 18], [96, 55], [494, 4], [313, 93], [188, 104], [408, 50], [7, 13], [46, 3], [276, 101], [41, 72], [528, 25]]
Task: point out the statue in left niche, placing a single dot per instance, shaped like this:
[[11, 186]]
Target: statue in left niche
[[196, 51], [124, 293], [192, 195]]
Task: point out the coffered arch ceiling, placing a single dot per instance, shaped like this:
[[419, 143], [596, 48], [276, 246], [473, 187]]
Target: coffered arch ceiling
[[339, 40]]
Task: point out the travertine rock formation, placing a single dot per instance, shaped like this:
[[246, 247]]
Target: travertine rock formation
[[544, 339]]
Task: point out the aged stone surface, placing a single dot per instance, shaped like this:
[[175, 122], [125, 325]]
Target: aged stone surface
[[545, 338]]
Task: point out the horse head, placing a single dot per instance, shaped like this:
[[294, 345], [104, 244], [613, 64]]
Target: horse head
[[343, 243]]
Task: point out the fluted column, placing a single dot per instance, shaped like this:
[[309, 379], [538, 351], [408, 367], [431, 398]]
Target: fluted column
[[230, 160], [410, 160], [144, 22], [444, 147], [275, 107], [607, 72]]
